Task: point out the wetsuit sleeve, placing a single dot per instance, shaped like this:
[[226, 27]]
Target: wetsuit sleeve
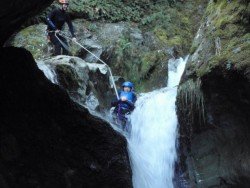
[[134, 98], [49, 18], [114, 103], [130, 104], [71, 28]]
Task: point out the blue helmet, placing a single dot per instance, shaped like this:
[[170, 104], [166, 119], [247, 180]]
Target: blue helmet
[[128, 84]]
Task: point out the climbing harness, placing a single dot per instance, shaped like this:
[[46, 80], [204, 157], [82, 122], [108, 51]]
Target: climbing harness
[[109, 69], [120, 117], [65, 46]]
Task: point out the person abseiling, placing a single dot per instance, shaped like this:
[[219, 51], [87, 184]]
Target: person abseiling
[[127, 98], [55, 21]]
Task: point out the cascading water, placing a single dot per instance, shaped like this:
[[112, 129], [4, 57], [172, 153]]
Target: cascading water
[[152, 143]]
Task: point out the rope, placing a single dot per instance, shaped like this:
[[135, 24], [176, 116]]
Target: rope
[[62, 43], [109, 69]]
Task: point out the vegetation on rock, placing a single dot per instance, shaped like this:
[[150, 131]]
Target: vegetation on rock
[[170, 25], [215, 87], [227, 33]]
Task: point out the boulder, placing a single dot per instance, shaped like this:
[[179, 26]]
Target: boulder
[[46, 139], [83, 81]]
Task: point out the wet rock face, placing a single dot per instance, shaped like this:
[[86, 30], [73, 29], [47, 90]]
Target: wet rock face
[[47, 140], [214, 100], [86, 83], [226, 134], [217, 151], [13, 13]]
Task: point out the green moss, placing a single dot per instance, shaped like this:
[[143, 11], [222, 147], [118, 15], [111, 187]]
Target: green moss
[[92, 27], [161, 34], [141, 69], [185, 21], [193, 48], [33, 39], [227, 22], [140, 86], [237, 52], [223, 13], [177, 30], [123, 44], [203, 70], [148, 61], [175, 41]]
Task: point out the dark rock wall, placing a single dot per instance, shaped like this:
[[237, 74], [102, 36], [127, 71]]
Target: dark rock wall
[[213, 102], [46, 140], [215, 150]]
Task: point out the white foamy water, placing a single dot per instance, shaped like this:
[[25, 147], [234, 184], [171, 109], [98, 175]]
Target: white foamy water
[[152, 143]]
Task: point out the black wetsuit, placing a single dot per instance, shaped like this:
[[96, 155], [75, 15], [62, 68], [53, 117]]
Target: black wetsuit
[[55, 21]]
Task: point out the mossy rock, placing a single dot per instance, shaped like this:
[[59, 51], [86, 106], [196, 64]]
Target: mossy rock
[[34, 39], [228, 29], [162, 35], [149, 61], [67, 76]]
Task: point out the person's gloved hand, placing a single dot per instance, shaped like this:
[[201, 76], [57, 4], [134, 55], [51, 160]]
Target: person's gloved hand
[[123, 99], [57, 31], [74, 39]]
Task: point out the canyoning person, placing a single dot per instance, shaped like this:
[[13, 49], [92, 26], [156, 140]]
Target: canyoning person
[[124, 105], [127, 98], [55, 21]]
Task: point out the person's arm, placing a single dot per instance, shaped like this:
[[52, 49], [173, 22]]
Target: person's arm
[[49, 18], [134, 98], [114, 103], [129, 102], [71, 28]]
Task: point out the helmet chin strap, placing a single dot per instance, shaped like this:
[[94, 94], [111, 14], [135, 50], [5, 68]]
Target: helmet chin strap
[[64, 9]]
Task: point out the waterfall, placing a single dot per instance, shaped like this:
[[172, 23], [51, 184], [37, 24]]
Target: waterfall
[[152, 143]]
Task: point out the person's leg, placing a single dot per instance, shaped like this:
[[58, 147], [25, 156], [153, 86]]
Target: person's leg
[[65, 51], [58, 49], [56, 43]]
